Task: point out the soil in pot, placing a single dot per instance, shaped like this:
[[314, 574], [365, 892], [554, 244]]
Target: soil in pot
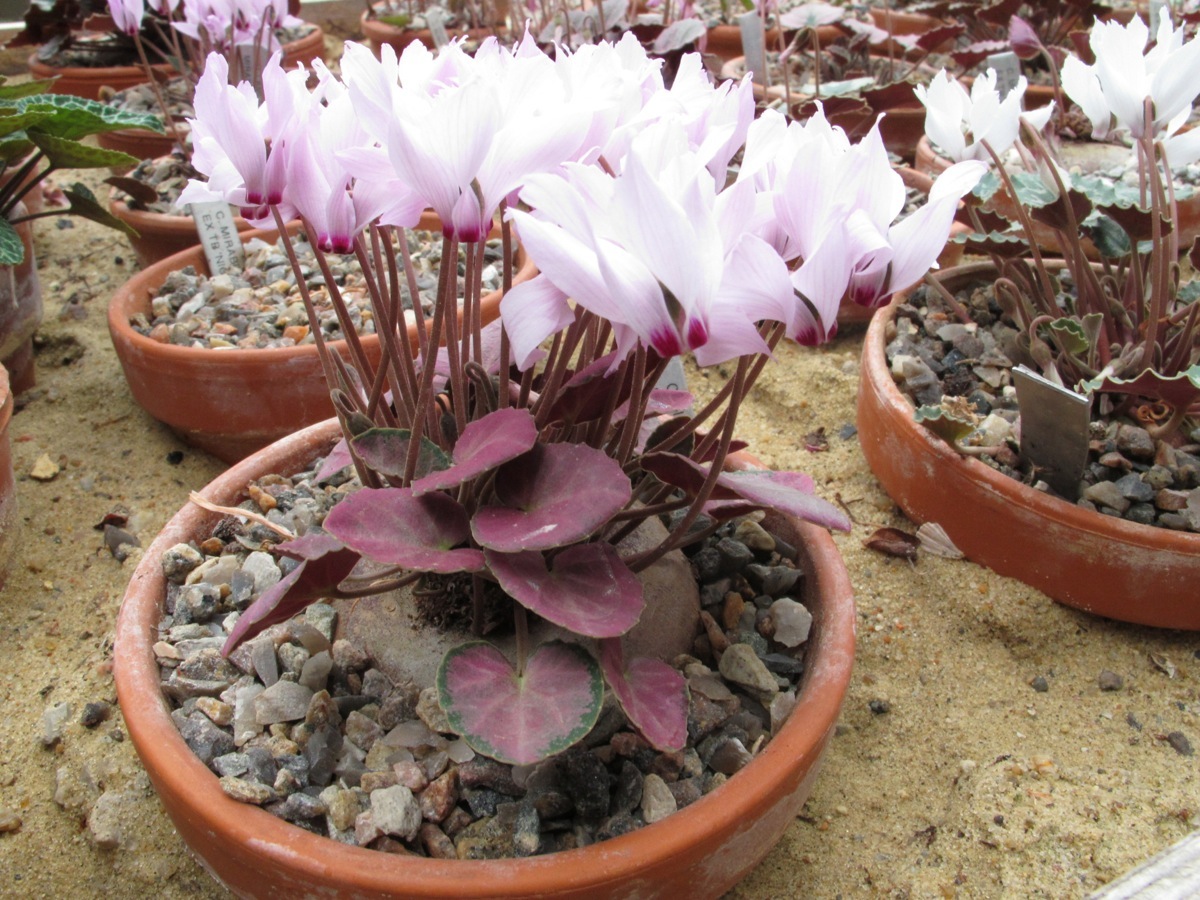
[[244, 398], [1086, 559], [708, 845]]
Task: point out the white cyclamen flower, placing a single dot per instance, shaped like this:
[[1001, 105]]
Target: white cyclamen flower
[[958, 123]]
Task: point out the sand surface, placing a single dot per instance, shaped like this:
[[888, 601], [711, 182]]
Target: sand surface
[[971, 784]]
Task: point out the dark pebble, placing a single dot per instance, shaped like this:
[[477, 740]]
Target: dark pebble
[[1178, 740], [94, 714], [1132, 721], [175, 457], [707, 563], [847, 431], [629, 788], [1133, 488], [487, 773], [782, 664], [483, 801], [587, 784], [1040, 684], [1141, 513], [879, 707], [1110, 681], [620, 824]]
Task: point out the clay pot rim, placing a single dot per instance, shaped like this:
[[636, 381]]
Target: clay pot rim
[[825, 683], [140, 219], [876, 372], [735, 69], [6, 400], [126, 302]]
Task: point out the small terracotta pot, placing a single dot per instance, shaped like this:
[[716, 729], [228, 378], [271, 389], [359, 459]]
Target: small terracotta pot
[[851, 313], [699, 852], [161, 235], [902, 22], [149, 145], [1096, 563], [20, 313], [86, 82], [9, 523], [725, 41], [380, 33], [901, 127], [232, 402]]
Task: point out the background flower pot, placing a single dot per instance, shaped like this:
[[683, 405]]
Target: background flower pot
[[230, 402], [380, 33], [8, 501], [699, 852], [851, 313], [86, 81], [20, 312], [148, 145], [161, 235], [725, 41], [1096, 563]]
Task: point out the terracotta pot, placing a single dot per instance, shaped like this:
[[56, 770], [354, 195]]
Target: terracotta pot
[[86, 82], [851, 313], [231, 402], [380, 33], [1096, 563], [901, 128], [9, 523], [20, 313], [902, 22], [699, 852], [725, 41], [161, 235], [148, 145]]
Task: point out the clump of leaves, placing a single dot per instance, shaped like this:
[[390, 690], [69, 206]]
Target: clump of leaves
[[60, 27], [1127, 327], [41, 133]]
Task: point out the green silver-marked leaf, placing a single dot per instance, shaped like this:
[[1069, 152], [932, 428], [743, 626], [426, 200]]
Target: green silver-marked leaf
[[85, 205], [1179, 391], [1106, 192], [1031, 190], [12, 123], [10, 92], [15, 147], [74, 117], [1110, 238], [67, 154], [1070, 334], [1189, 292], [520, 719], [842, 88], [944, 423], [399, 21], [12, 250]]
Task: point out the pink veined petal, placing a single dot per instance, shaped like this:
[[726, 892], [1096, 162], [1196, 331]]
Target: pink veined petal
[[640, 303], [756, 280], [822, 281], [127, 14], [919, 239], [880, 189], [531, 312], [871, 256]]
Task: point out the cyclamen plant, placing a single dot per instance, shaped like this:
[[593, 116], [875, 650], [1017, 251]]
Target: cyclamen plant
[[1125, 329], [523, 452]]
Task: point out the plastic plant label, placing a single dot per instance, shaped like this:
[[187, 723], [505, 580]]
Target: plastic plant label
[[1008, 71], [436, 20], [1158, 9], [218, 235], [1054, 430], [754, 45], [252, 59]]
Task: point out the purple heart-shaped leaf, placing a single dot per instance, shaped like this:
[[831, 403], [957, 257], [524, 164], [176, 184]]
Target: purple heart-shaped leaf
[[791, 493], [385, 450], [390, 525], [652, 694], [587, 392], [338, 459], [520, 719], [554, 495], [661, 402], [495, 439], [316, 578], [587, 588]]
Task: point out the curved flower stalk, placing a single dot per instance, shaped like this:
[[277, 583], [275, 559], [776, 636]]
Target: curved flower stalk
[[958, 123], [530, 477]]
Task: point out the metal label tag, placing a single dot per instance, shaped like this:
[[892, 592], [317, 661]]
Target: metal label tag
[[436, 20], [1008, 71], [218, 235], [754, 45], [1158, 9], [1054, 430], [252, 60]]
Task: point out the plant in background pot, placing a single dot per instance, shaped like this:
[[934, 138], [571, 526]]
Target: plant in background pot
[[532, 472], [1107, 417], [40, 134]]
